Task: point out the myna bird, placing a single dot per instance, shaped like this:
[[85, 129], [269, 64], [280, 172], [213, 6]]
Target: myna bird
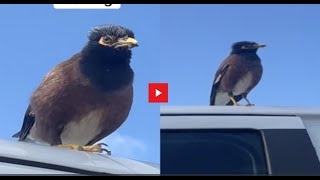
[[87, 97], [238, 74]]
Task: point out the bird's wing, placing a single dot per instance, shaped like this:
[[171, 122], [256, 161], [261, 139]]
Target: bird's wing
[[28, 122], [221, 71], [29, 117]]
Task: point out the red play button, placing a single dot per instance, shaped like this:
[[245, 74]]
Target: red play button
[[158, 92]]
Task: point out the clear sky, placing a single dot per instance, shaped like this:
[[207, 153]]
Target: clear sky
[[34, 38], [196, 38]]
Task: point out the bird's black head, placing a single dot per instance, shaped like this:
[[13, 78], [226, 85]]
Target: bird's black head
[[245, 47], [111, 41], [112, 36], [105, 59]]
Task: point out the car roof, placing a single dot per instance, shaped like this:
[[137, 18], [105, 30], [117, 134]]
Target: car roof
[[239, 110], [67, 160]]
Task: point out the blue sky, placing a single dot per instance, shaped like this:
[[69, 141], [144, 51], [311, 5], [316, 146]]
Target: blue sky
[[34, 38], [196, 38]]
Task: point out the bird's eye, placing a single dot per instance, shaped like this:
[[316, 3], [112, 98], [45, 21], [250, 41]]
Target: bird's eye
[[108, 38]]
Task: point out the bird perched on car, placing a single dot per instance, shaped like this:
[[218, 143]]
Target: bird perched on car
[[238, 74], [87, 97]]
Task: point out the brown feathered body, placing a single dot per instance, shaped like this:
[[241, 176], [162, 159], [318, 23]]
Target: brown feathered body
[[70, 109], [240, 70]]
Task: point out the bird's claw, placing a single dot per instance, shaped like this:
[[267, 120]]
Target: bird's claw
[[102, 144], [104, 149], [107, 151]]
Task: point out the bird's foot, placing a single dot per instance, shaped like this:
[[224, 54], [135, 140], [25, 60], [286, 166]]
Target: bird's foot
[[93, 148], [248, 105]]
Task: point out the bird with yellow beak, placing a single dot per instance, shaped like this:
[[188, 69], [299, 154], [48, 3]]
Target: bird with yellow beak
[[87, 97]]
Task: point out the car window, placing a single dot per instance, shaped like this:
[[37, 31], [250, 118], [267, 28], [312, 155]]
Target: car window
[[219, 152]]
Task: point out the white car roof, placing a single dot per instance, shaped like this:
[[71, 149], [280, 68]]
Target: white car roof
[[67, 160], [238, 110]]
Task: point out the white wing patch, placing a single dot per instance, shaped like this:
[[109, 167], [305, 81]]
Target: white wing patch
[[221, 73]]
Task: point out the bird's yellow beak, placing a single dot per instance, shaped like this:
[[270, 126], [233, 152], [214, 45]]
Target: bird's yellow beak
[[260, 45], [126, 42]]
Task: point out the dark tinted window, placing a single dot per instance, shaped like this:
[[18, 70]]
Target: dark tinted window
[[219, 152]]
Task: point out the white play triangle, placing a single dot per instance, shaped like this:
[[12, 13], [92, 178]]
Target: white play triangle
[[158, 92]]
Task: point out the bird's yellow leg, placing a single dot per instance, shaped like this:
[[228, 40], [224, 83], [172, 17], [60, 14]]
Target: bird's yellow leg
[[92, 148], [233, 100]]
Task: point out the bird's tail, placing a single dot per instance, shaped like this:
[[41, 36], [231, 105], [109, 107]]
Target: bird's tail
[[213, 94], [17, 135]]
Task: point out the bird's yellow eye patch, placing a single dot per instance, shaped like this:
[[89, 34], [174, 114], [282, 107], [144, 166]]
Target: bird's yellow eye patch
[[102, 41], [106, 40], [246, 47]]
